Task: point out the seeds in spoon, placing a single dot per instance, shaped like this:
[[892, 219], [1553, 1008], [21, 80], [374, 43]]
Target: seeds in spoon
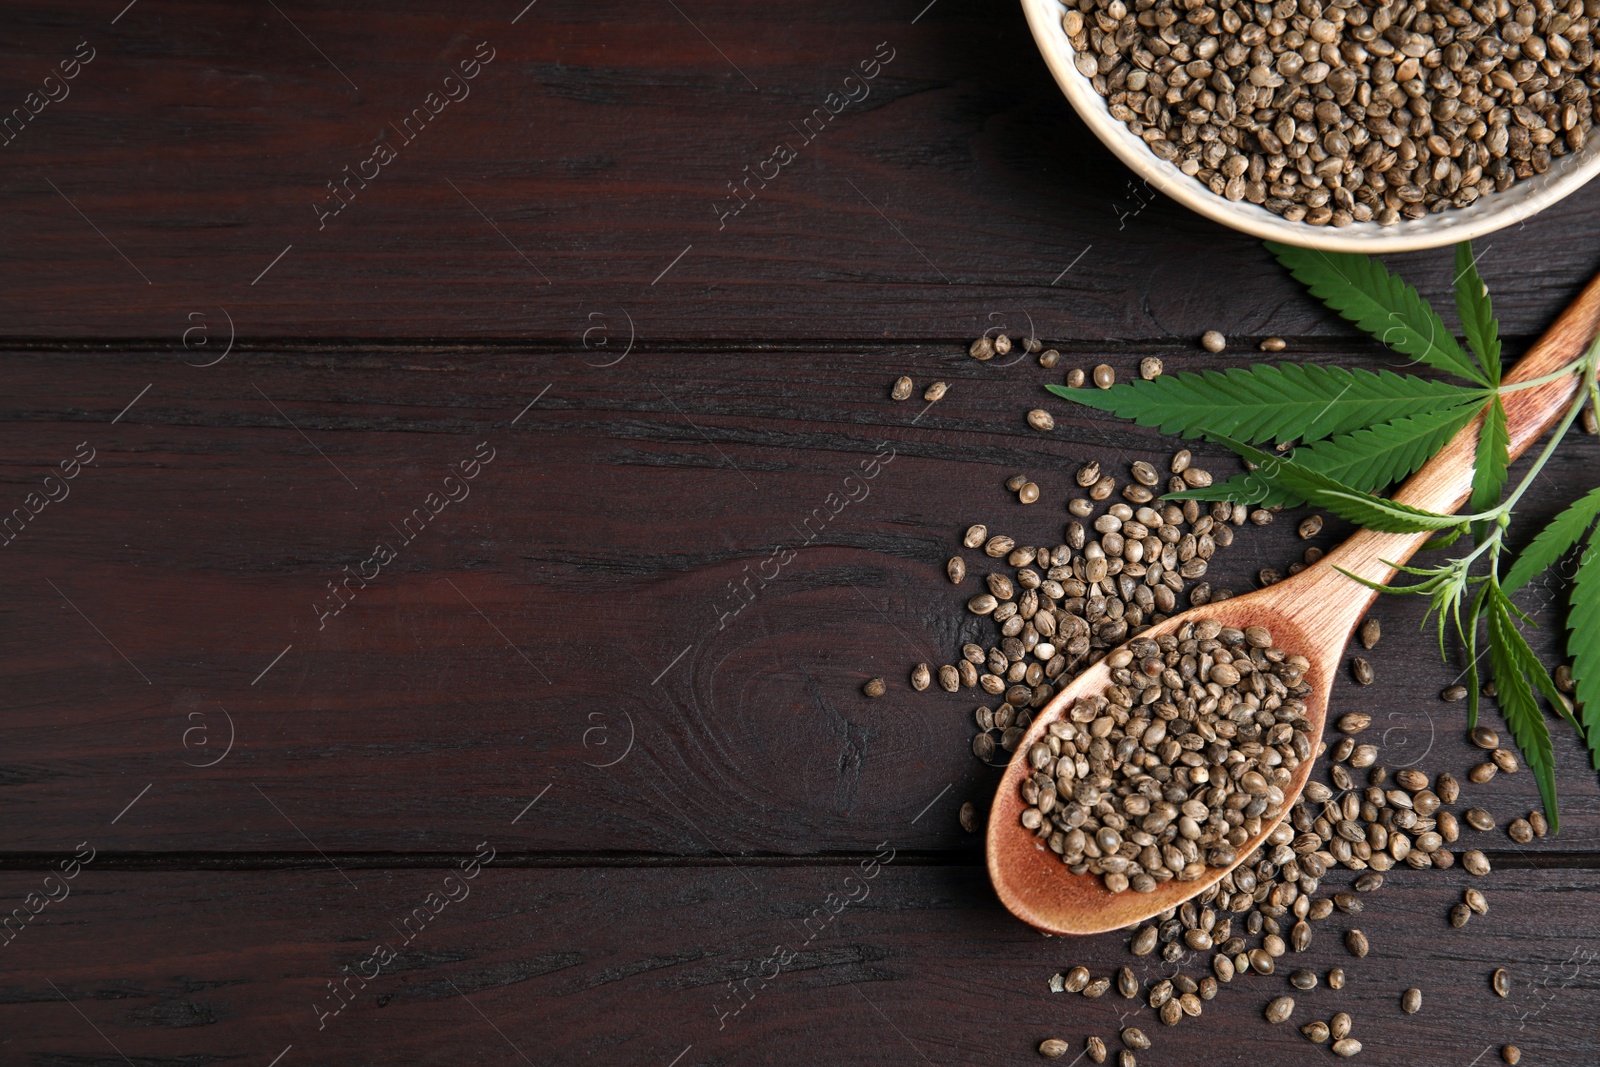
[[1138, 722]]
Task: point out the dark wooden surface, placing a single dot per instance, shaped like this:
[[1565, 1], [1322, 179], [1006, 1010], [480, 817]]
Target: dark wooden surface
[[700, 780]]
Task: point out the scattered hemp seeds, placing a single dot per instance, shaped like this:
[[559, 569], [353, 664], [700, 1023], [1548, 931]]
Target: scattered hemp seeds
[[1172, 768]]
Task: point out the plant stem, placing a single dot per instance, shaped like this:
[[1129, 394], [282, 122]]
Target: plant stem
[[1546, 379], [1588, 368]]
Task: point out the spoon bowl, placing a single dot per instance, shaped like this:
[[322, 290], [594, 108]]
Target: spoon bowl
[[1032, 881], [1312, 613]]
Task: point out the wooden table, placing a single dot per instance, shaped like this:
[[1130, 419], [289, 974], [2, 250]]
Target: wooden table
[[442, 400]]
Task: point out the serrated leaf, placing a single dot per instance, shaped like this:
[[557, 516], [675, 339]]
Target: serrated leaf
[[1363, 291], [1583, 644], [1366, 460], [1489, 464], [1273, 403], [1469, 638], [1552, 542], [1477, 314], [1444, 540], [1517, 704], [1527, 661], [1363, 509]]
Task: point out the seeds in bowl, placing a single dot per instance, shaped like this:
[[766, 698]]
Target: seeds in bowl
[[1178, 763], [1330, 112]]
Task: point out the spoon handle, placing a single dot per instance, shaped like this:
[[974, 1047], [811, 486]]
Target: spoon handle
[[1445, 482]]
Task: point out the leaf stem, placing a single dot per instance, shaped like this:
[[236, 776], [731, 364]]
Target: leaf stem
[[1546, 379], [1588, 361]]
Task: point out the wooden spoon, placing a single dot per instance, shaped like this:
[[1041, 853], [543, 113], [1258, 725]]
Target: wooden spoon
[[1312, 613]]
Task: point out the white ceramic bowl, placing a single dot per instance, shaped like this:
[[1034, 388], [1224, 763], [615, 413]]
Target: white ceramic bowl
[[1489, 213]]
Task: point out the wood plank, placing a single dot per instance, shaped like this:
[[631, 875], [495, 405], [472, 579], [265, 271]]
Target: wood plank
[[567, 966], [588, 171], [575, 599]]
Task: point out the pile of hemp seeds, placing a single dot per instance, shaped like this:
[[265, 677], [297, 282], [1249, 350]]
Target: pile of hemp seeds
[[1330, 112]]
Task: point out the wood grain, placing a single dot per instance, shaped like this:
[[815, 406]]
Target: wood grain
[[635, 965], [592, 152], [600, 544], [264, 398]]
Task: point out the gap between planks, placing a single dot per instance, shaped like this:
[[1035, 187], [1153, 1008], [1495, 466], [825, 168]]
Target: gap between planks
[[114, 347], [288, 861]]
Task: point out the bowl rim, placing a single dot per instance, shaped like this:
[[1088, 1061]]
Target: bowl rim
[[1493, 212]]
